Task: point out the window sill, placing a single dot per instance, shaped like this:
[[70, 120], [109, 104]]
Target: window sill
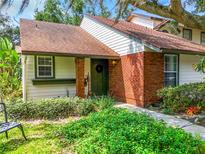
[[53, 81]]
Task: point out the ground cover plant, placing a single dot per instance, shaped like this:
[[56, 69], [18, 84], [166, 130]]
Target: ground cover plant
[[55, 108], [183, 97], [119, 131]]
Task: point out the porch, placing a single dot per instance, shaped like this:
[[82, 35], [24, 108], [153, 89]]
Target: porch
[[62, 60], [47, 76]]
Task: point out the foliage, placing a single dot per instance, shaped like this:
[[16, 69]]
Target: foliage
[[198, 5], [55, 108], [8, 30], [10, 70], [200, 66], [51, 13], [71, 11], [178, 99], [119, 131]]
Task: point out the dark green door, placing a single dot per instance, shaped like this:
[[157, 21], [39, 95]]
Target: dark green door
[[99, 76]]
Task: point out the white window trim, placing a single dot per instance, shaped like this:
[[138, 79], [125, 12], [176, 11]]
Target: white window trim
[[177, 67], [37, 67]]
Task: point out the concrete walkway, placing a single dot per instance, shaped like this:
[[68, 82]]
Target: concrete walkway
[[170, 120]]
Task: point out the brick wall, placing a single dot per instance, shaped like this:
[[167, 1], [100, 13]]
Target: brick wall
[[136, 77], [153, 76], [79, 65]]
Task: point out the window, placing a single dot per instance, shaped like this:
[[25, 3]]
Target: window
[[187, 34], [44, 67], [170, 70], [203, 38]]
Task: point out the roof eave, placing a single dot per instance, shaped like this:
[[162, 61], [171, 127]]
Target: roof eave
[[177, 51], [70, 54]]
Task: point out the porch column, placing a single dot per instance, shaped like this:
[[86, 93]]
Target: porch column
[[24, 76], [79, 66]]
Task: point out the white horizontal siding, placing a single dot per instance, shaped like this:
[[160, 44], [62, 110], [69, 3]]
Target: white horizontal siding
[[186, 72], [117, 41], [64, 68], [147, 22]]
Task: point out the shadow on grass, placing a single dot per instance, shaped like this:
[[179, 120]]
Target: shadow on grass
[[42, 137]]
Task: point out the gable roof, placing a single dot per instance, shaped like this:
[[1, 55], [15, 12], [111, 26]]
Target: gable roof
[[39, 37], [160, 25], [151, 16], [160, 40]]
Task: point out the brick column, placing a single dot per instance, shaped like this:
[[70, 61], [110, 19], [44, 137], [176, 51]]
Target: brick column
[[153, 76], [79, 66]]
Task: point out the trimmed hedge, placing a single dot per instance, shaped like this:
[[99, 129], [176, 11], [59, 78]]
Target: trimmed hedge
[[178, 99], [119, 131], [55, 108]]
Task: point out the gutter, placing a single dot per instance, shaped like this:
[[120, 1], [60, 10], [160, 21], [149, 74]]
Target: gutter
[[69, 54]]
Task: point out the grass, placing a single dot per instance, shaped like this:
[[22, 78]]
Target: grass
[[42, 139]]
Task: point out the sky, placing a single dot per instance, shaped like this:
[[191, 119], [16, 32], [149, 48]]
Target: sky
[[28, 13]]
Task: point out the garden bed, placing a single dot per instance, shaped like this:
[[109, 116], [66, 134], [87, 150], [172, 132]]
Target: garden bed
[[198, 119], [186, 101]]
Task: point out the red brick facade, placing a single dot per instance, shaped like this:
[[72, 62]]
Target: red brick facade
[[136, 78], [79, 65], [153, 76]]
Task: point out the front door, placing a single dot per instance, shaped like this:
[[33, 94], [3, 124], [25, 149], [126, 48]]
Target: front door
[[99, 76]]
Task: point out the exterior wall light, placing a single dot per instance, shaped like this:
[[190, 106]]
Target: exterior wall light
[[114, 62]]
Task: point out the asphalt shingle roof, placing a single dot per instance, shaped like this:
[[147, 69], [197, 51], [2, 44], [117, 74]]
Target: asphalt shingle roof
[[151, 37], [51, 38]]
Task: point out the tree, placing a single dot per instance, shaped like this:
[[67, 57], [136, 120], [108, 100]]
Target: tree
[[51, 12], [8, 30], [71, 13], [175, 9], [10, 70]]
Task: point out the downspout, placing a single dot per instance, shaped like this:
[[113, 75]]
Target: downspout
[[24, 60]]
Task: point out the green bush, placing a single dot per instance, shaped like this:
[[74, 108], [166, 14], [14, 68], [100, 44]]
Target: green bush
[[119, 131], [178, 99], [55, 108]]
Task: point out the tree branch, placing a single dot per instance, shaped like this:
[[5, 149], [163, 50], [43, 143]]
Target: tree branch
[[174, 11]]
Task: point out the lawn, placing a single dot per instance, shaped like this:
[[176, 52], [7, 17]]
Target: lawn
[[109, 131], [42, 138]]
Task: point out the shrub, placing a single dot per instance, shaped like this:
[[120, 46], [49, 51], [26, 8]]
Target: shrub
[[55, 108], [179, 98], [119, 131]]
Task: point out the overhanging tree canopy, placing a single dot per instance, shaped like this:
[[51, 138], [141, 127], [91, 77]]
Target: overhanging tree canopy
[[175, 9]]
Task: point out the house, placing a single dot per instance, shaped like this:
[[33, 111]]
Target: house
[[163, 25], [147, 20], [125, 60]]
